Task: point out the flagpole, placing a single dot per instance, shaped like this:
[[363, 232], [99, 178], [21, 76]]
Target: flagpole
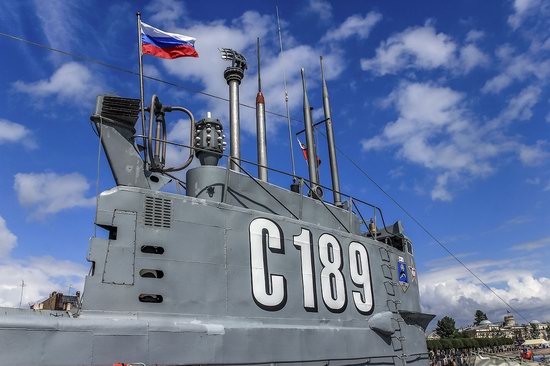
[[140, 57]]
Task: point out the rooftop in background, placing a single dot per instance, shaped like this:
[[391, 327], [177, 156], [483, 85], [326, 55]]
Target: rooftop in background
[[58, 301]]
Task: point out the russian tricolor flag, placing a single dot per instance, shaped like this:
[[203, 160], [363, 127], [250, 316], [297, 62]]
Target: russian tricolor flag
[[166, 45], [304, 151]]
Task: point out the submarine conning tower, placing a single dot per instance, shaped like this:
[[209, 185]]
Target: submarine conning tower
[[235, 270]]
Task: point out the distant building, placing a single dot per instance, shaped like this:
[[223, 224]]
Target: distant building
[[509, 329], [509, 321], [58, 301], [433, 335]]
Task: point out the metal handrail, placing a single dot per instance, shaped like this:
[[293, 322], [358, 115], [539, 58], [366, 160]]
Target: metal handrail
[[332, 213], [262, 187], [305, 180]]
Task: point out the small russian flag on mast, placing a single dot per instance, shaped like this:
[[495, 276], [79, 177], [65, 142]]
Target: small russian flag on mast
[[166, 45]]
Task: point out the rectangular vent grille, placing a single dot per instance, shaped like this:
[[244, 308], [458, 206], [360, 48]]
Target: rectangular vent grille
[[158, 212], [125, 110]]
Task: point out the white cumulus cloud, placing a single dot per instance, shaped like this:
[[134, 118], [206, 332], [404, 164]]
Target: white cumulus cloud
[[533, 154], [520, 107], [449, 289], [321, 8], [355, 25], [423, 48], [42, 275], [471, 57], [436, 130], [7, 239], [514, 67], [49, 193], [166, 12], [70, 82], [11, 132], [474, 35], [240, 34], [522, 10]]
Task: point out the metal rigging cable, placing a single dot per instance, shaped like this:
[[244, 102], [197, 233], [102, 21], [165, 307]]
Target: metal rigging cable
[[405, 211], [128, 71], [428, 232]]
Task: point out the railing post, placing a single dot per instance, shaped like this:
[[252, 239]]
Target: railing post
[[350, 212], [375, 227], [301, 197]]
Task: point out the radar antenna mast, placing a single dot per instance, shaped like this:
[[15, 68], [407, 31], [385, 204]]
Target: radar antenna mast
[[286, 102]]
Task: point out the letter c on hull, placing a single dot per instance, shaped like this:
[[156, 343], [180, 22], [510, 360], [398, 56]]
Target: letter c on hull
[[269, 290]]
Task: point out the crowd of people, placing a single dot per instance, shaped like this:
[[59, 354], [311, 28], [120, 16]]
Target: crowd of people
[[465, 357]]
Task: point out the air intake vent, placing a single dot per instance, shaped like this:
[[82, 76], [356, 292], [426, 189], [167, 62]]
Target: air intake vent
[[158, 212], [123, 110]]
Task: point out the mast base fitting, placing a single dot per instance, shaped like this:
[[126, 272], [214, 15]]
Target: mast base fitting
[[295, 187], [233, 73], [316, 193]]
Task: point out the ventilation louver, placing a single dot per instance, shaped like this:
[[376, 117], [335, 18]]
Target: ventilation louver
[[122, 110], [158, 212]]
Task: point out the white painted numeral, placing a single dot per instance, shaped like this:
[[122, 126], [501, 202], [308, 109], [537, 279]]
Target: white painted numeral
[[269, 291], [304, 243], [333, 286], [360, 276]]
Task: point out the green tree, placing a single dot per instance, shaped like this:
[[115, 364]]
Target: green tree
[[446, 343], [434, 344], [479, 317], [446, 327], [458, 343], [469, 342]]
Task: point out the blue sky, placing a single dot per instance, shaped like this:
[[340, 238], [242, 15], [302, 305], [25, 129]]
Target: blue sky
[[445, 104]]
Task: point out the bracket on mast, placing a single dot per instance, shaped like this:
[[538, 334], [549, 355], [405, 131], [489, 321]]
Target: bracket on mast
[[237, 60]]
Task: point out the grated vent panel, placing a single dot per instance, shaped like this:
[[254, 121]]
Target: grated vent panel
[[158, 212], [125, 110]]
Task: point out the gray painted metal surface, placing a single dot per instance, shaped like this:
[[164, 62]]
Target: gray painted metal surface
[[117, 139], [330, 141], [310, 141], [261, 134], [237, 271], [234, 75], [261, 137], [208, 313], [234, 128], [210, 182]]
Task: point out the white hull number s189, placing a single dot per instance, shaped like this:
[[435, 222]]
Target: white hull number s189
[[269, 290]]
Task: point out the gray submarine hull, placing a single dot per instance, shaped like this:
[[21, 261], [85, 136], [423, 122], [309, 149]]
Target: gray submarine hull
[[227, 275]]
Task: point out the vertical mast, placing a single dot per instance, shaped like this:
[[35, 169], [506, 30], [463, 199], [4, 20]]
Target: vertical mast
[[294, 184], [234, 121], [330, 140], [233, 75], [261, 139], [311, 153], [140, 57]]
